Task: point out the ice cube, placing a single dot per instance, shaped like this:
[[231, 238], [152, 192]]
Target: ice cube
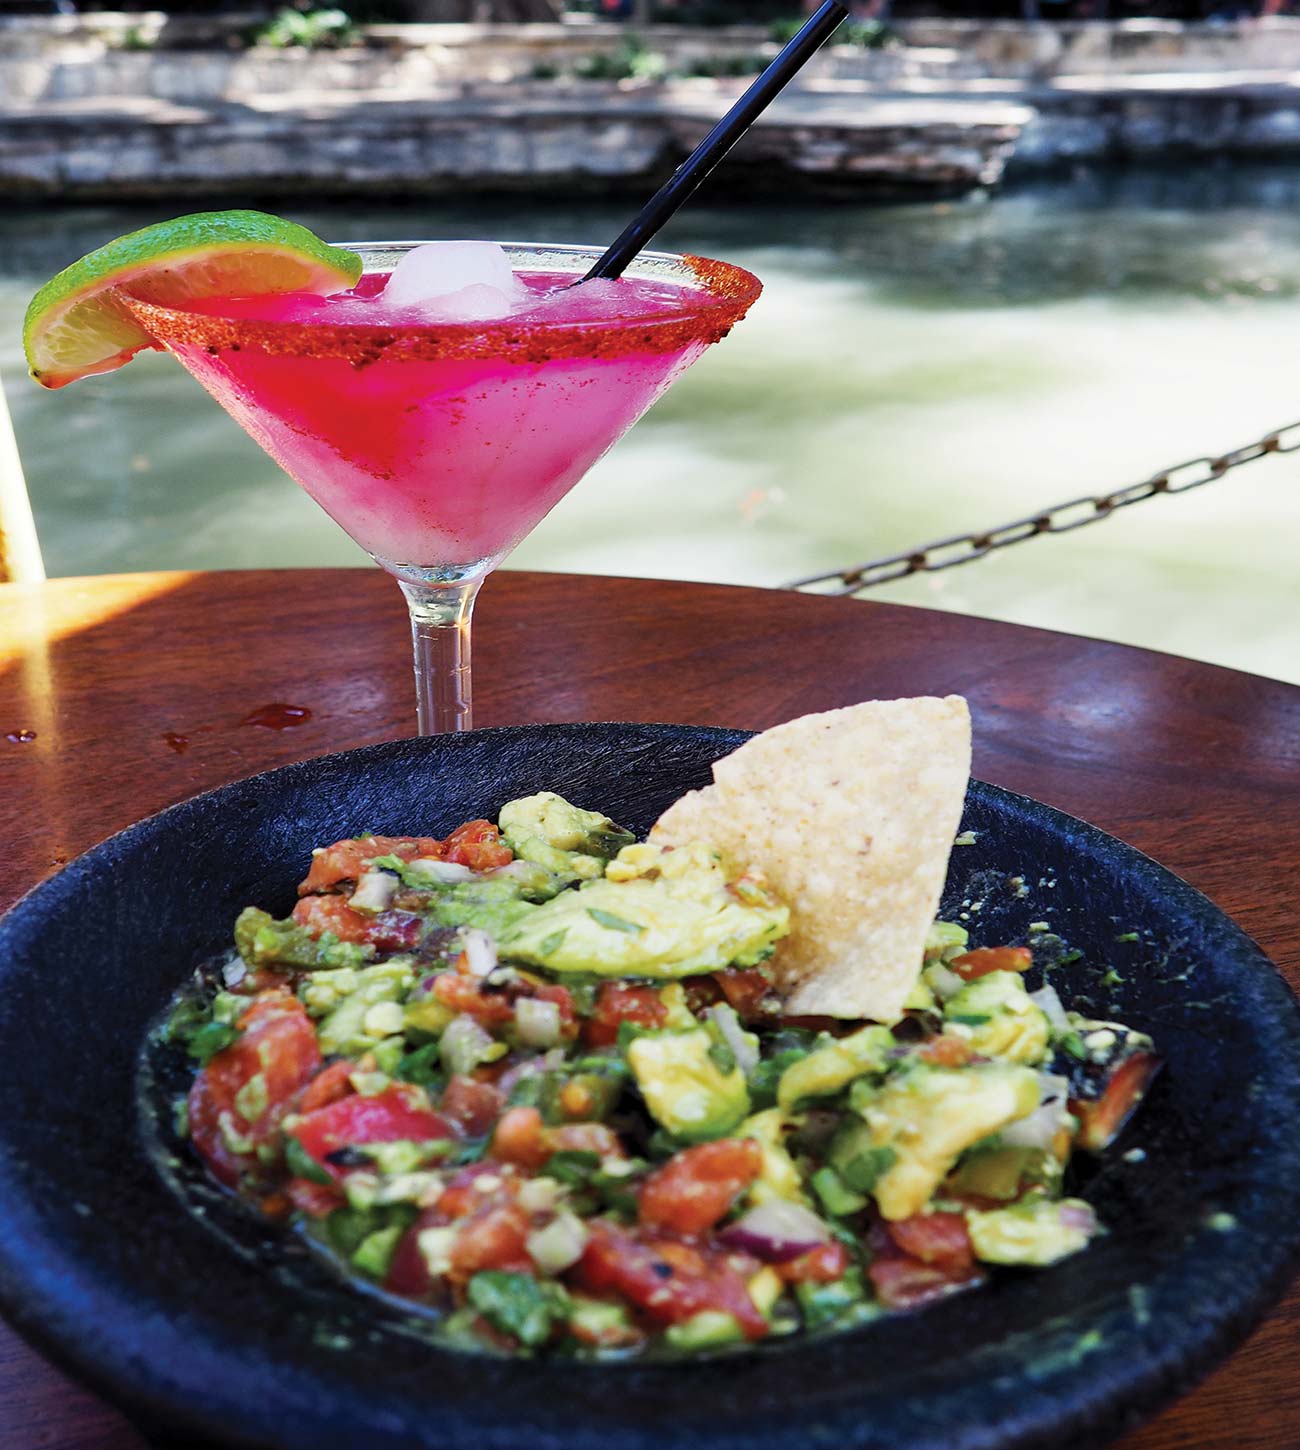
[[456, 281]]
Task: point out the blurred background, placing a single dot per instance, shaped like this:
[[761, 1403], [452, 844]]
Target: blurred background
[[1012, 254]]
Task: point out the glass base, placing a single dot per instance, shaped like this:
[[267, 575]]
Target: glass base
[[438, 576]]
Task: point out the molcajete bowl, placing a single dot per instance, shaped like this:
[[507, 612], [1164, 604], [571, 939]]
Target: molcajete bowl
[[209, 1327]]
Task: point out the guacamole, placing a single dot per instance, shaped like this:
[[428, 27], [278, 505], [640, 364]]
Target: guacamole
[[535, 1077]]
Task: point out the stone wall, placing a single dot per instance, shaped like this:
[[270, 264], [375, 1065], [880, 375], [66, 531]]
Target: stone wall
[[1015, 50], [199, 59], [141, 105]]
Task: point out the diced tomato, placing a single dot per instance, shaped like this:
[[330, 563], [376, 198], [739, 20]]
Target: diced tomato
[[747, 991], [822, 1265], [697, 1186], [279, 1046], [947, 1050], [332, 913], [314, 1199], [608, 1336], [394, 1115], [596, 1138], [577, 1099], [389, 931], [493, 1237], [617, 1003], [907, 1283], [476, 1184], [478, 845], [667, 1280], [1100, 1120], [464, 994], [396, 931], [472, 1106], [409, 1272], [983, 960], [940, 1239], [347, 860], [328, 1086], [519, 1138], [701, 993]]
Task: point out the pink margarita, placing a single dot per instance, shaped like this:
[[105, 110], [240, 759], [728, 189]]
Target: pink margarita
[[439, 443]]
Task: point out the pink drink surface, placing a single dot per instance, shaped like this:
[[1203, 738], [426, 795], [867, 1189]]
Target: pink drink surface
[[443, 457]]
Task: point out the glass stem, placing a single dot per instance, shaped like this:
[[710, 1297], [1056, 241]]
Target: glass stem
[[440, 634]]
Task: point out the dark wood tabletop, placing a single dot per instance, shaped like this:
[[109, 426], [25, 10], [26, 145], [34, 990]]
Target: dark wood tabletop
[[121, 695]]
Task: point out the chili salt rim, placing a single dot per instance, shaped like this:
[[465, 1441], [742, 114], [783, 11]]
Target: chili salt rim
[[728, 293]]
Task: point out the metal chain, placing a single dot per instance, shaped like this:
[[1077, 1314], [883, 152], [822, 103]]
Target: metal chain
[[1060, 518]]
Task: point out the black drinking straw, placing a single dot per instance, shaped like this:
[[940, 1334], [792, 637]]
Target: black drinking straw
[[719, 141]]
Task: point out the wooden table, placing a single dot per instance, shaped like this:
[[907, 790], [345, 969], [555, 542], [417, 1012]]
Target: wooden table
[[139, 690]]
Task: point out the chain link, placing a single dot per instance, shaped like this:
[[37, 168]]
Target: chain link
[[1061, 518]]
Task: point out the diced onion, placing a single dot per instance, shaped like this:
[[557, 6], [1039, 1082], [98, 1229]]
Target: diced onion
[[538, 1022], [540, 1195], [777, 1231], [442, 871], [1042, 1125], [516, 871], [559, 1245], [943, 983], [530, 1067], [1078, 1215], [1035, 1131], [233, 973], [1047, 1001], [744, 1045], [375, 892], [480, 952]]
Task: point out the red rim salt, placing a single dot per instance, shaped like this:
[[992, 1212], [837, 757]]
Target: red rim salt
[[726, 292]]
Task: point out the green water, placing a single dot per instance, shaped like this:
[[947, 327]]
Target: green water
[[910, 372]]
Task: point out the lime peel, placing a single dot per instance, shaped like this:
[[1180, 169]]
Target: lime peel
[[77, 325]]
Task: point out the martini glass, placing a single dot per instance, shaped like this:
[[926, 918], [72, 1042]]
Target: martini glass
[[439, 445]]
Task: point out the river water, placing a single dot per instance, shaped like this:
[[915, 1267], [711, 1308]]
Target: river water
[[910, 372]]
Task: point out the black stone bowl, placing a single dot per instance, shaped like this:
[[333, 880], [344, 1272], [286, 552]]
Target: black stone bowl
[[209, 1329]]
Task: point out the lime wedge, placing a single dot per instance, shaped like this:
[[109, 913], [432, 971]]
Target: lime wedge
[[76, 326]]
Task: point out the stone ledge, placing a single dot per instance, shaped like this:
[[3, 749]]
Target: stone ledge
[[377, 142]]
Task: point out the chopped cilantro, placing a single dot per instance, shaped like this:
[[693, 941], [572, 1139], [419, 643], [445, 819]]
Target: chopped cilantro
[[861, 1173], [518, 1304], [301, 1164], [420, 1066], [1073, 1044], [722, 1057], [573, 1166], [614, 923]]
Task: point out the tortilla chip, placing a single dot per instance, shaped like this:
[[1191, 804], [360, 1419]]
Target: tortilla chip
[[850, 815]]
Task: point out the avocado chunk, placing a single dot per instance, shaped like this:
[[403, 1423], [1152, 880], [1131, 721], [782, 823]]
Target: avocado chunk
[[833, 1064], [265, 942], [709, 1329], [779, 1175], [944, 940], [565, 839], [1037, 1232], [657, 913], [999, 1019], [493, 904], [344, 998], [920, 1121], [1001, 1172], [686, 1091]]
